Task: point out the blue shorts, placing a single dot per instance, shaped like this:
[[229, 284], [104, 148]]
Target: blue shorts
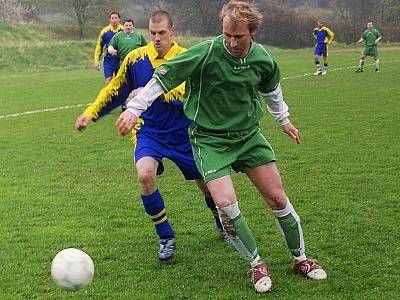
[[321, 50], [174, 146], [110, 66]]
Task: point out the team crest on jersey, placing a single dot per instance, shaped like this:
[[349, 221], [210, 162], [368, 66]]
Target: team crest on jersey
[[163, 70]]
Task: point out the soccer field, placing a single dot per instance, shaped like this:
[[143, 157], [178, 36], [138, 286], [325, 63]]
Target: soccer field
[[60, 188]]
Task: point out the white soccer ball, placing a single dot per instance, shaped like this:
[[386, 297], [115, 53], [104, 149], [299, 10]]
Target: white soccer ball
[[72, 269]]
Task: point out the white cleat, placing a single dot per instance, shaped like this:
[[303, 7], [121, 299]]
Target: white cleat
[[324, 72], [319, 72]]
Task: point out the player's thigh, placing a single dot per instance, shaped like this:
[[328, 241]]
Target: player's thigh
[[147, 146], [254, 152], [212, 153], [268, 181], [222, 191]]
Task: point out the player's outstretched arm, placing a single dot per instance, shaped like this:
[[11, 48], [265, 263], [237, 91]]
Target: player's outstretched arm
[[292, 132], [82, 122]]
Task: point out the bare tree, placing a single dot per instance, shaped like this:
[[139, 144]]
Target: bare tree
[[14, 10]]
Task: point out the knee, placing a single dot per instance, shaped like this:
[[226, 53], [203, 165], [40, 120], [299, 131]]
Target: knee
[[147, 180], [277, 200]]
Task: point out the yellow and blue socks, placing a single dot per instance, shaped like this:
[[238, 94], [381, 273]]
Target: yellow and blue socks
[[155, 208]]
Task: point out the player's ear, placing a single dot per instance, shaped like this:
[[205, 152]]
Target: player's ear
[[173, 28]]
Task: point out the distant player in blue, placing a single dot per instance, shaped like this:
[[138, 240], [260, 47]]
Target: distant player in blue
[[324, 36], [110, 63], [161, 133]]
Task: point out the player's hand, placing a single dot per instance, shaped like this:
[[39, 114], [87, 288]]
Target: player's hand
[[125, 122], [82, 122], [113, 52], [97, 66], [292, 132]]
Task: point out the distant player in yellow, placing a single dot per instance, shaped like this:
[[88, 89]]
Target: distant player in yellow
[[324, 37], [371, 36], [110, 63]]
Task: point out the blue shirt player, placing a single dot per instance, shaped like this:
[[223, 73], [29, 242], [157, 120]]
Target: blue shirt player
[[324, 36], [161, 133], [110, 63]]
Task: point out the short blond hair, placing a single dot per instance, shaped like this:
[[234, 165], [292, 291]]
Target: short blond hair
[[240, 11]]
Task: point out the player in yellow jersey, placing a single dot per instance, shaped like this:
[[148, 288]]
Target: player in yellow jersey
[[324, 36], [110, 63]]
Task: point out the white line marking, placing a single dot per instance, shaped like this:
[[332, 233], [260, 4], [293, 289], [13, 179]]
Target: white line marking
[[80, 105], [42, 110], [338, 69]]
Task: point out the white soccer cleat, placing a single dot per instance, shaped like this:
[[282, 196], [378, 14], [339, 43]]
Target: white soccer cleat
[[324, 72], [310, 269], [260, 278], [318, 72]]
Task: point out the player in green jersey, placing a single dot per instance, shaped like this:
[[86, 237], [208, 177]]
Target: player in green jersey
[[371, 37], [226, 79], [125, 41]]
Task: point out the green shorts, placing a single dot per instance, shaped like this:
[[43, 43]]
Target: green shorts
[[371, 51], [216, 153]]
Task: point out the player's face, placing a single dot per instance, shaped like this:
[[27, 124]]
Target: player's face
[[319, 24], [161, 34], [237, 36], [128, 27], [370, 25], [114, 20]]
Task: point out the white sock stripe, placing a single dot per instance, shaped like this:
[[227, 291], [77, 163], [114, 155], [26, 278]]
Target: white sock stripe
[[287, 210], [232, 211]]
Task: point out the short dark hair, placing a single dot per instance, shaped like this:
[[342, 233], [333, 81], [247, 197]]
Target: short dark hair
[[129, 21], [158, 15], [115, 13]]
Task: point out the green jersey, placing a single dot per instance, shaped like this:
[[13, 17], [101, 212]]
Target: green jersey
[[369, 36], [222, 91], [125, 42]]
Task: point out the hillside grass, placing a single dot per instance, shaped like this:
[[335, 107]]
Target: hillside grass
[[60, 188]]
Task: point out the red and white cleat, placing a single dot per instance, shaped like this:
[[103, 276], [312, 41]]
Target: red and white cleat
[[260, 278], [310, 269]]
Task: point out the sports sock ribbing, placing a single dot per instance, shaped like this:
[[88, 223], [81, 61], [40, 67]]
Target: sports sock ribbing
[[288, 223], [239, 233], [155, 208]]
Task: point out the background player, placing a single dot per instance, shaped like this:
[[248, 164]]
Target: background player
[[110, 63], [371, 36], [324, 36], [125, 41], [163, 128]]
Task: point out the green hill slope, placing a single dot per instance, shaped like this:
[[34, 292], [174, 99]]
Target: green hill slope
[[35, 46]]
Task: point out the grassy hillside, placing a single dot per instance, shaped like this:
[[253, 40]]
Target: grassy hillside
[[33, 46]]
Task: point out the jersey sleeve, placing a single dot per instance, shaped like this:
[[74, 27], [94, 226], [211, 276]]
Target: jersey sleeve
[[330, 35], [98, 50], [270, 77], [177, 70], [114, 41], [112, 95]]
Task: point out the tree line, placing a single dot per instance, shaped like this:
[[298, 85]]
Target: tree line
[[287, 23]]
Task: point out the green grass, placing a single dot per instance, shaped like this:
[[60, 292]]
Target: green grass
[[60, 188]]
